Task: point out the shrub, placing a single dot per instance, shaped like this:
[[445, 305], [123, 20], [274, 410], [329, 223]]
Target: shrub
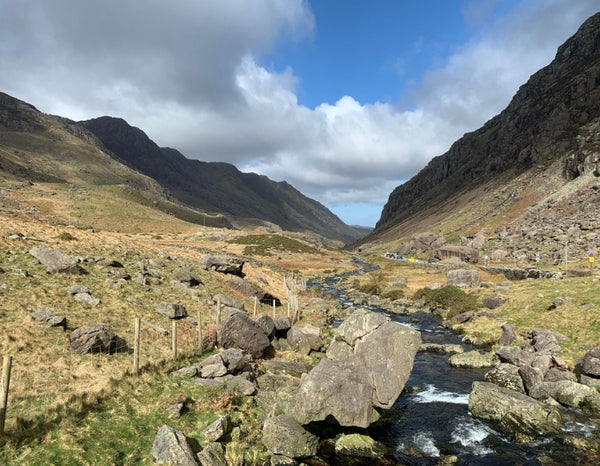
[[66, 236], [451, 298], [393, 294]]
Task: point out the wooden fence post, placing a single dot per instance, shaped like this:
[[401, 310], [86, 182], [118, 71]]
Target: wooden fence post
[[136, 346], [218, 310], [200, 342], [255, 304], [6, 365], [273, 309], [174, 338]]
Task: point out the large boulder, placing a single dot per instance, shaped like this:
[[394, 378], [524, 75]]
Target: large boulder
[[348, 385], [238, 330], [171, 310], [506, 375], [55, 261], [566, 392], [591, 362], [304, 339], [464, 277], [172, 447], [96, 338], [515, 413], [251, 290], [222, 263], [283, 435]]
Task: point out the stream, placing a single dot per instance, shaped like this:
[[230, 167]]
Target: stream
[[434, 421]]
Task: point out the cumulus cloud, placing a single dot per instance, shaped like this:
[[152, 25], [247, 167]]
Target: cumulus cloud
[[194, 75]]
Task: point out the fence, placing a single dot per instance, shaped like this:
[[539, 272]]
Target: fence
[[46, 377]]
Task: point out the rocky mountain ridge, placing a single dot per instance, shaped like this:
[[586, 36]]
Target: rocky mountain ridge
[[528, 171], [216, 186], [36, 147]]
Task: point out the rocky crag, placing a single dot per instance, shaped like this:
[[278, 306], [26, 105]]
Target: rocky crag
[[530, 172]]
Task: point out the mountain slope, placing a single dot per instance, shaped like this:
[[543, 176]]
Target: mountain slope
[[545, 137], [63, 158], [218, 187]]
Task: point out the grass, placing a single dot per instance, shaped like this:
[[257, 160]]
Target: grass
[[269, 245], [528, 305], [83, 431]]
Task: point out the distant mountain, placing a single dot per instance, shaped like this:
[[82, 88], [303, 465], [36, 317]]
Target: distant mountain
[[218, 187], [537, 156]]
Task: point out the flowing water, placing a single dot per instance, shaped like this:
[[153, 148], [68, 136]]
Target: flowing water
[[434, 421]]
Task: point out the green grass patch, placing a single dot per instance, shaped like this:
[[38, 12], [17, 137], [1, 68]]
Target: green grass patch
[[119, 428], [451, 298], [269, 245]]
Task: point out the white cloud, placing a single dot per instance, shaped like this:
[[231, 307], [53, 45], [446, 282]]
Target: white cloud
[[189, 73]]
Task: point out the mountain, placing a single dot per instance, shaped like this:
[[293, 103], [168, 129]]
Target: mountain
[[218, 187], [535, 163]]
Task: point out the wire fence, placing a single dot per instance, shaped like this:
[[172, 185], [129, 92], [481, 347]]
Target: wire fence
[[68, 375]]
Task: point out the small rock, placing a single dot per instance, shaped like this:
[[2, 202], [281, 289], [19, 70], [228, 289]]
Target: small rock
[[171, 310], [87, 299], [218, 429], [171, 446]]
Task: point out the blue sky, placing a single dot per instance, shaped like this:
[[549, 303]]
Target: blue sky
[[343, 99]]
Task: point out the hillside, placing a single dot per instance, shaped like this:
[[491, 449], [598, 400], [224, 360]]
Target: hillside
[[65, 175], [528, 177], [218, 187]]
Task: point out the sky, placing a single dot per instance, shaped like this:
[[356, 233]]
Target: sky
[[343, 99]]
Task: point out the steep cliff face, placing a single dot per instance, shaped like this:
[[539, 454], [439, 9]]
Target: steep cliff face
[[541, 125]]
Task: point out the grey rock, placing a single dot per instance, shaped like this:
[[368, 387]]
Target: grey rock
[[55, 261], [218, 429], [514, 355], [282, 323], [96, 338], [358, 324], [292, 368], [283, 435], [171, 446], [42, 315], [187, 276], [213, 370], [189, 371], [339, 351], [237, 330], [213, 455], [58, 321], [566, 392], [266, 323], [493, 302], [75, 289], [591, 362], [515, 413], [86, 299], [303, 341], [171, 310], [359, 445], [441, 348], [239, 384], [464, 277], [234, 359], [542, 361], [281, 460], [555, 374], [222, 263], [531, 377], [472, 359], [507, 376], [373, 376], [251, 290], [509, 336]]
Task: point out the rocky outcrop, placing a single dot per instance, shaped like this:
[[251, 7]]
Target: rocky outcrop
[[222, 263], [96, 338], [251, 290], [514, 412], [56, 261], [553, 118], [464, 277], [283, 435], [348, 385], [238, 330], [171, 446]]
